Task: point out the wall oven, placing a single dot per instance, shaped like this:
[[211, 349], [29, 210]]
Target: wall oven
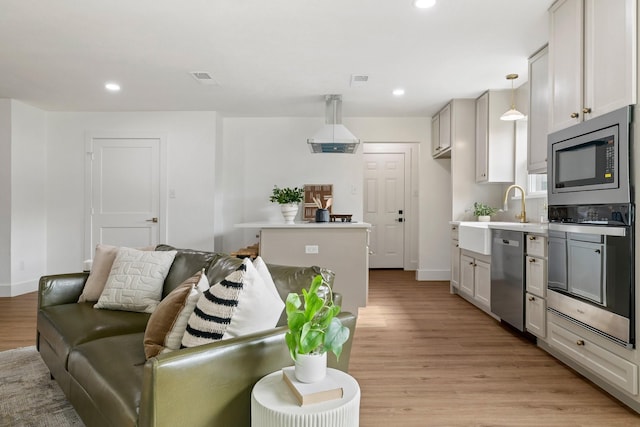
[[591, 267], [589, 162]]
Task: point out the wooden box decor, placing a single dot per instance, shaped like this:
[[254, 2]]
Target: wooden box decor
[[324, 192]]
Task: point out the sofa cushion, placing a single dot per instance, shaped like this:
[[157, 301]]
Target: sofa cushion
[[168, 322], [68, 325], [185, 264], [114, 387], [136, 280], [239, 305]]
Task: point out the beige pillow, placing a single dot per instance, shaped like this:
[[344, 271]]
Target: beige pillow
[[169, 320], [102, 262], [100, 268], [135, 281]]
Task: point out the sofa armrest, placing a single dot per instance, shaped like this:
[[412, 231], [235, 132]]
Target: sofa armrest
[[60, 289], [211, 385]]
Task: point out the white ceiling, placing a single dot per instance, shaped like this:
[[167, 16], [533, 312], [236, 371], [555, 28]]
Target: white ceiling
[[269, 57]]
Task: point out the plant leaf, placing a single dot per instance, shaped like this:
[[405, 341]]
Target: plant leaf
[[335, 337]]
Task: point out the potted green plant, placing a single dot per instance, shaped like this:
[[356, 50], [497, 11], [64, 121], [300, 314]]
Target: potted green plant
[[483, 212], [314, 330], [288, 199]]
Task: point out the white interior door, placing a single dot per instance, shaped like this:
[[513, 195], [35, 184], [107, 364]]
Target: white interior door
[[384, 208], [125, 192]]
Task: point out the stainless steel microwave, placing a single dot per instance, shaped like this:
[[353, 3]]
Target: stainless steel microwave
[[588, 163]]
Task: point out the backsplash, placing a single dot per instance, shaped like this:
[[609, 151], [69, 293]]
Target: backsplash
[[536, 209]]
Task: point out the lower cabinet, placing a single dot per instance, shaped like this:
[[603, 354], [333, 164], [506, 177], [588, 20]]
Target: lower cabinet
[[611, 367], [535, 315], [455, 259], [475, 279]]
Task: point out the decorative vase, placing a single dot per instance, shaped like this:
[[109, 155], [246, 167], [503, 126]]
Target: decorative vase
[[289, 212], [310, 368], [484, 218]]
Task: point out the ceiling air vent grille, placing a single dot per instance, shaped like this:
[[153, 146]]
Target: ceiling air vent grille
[[359, 79], [203, 77]]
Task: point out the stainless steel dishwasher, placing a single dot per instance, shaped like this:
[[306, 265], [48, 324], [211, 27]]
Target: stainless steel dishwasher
[[507, 277]]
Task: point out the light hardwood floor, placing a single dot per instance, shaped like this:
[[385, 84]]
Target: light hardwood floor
[[424, 357]]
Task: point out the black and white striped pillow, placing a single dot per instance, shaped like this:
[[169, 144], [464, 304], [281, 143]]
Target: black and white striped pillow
[[214, 311]]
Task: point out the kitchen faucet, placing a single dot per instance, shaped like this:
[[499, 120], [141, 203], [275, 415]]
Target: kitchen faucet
[[523, 214]]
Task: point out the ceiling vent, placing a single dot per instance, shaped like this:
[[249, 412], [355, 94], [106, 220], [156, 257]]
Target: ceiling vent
[[333, 137], [203, 77], [359, 79]]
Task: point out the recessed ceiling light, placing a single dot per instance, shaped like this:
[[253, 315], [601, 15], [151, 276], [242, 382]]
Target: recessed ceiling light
[[424, 4], [398, 92], [113, 87]]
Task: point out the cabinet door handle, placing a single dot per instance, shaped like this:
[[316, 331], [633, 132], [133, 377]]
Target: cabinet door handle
[[532, 260], [152, 220], [597, 251], [532, 237], [532, 299], [580, 342], [457, 246], [575, 115], [586, 110]]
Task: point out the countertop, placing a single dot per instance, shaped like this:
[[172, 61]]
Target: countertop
[[527, 227], [314, 225]]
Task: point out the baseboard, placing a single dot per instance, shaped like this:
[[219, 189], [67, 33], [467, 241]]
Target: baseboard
[[15, 289], [425, 275]]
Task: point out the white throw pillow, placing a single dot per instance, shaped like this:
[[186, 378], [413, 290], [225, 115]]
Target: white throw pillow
[[135, 281], [239, 305], [264, 272]]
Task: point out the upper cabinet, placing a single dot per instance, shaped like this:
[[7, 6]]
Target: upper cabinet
[[592, 52], [495, 138], [441, 133], [538, 112]]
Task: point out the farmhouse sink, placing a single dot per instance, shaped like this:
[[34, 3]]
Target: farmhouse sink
[[475, 236]]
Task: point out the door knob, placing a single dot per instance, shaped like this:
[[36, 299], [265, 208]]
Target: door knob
[[154, 219]]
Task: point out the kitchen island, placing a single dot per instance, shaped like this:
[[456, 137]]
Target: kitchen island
[[342, 247]]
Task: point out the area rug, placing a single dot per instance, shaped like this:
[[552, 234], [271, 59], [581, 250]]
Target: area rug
[[28, 397]]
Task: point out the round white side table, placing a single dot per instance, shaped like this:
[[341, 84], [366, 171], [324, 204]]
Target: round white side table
[[274, 405]]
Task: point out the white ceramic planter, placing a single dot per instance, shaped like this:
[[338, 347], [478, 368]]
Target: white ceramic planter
[[484, 218], [289, 212], [310, 368]]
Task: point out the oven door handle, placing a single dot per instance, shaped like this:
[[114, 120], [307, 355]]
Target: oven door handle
[[590, 229]]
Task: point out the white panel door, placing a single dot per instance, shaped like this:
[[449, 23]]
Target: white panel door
[[124, 175], [384, 208]]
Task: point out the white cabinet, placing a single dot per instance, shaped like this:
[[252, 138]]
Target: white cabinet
[[538, 123], [495, 138], [441, 133], [475, 279], [607, 365], [536, 285], [592, 52], [455, 258]]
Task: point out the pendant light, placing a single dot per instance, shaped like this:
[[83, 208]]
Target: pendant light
[[512, 114]]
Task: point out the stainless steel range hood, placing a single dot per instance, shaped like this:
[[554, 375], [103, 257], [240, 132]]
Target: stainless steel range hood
[[333, 137]]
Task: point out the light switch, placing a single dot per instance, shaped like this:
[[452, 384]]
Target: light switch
[[311, 249]]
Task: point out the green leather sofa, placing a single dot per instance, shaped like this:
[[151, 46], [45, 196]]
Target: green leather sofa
[[97, 356]]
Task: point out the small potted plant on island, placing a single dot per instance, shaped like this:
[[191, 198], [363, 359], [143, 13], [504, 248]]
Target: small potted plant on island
[[483, 212], [288, 199], [314, 329]]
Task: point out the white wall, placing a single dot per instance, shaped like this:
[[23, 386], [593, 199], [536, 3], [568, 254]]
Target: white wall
[[22, 208], [191, 138]]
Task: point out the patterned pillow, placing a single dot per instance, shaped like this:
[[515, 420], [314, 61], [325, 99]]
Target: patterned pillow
[[135, 281], [169, 320], [241, 304]]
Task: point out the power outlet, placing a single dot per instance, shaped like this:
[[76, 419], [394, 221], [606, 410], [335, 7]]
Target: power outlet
[[311, 249]]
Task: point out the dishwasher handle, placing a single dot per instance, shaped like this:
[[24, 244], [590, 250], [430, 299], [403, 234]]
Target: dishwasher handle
[[506, 242]]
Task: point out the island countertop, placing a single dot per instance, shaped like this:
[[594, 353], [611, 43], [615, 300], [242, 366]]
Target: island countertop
[[315, 225]]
